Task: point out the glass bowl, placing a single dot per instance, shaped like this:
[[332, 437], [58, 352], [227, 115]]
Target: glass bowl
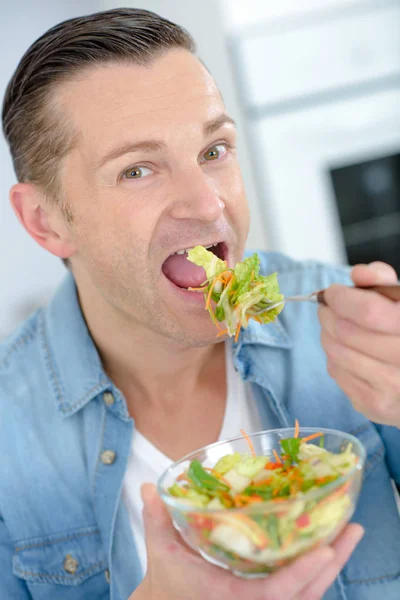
[[255, 540]]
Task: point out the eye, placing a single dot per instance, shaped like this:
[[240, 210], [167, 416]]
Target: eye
[[215, 152], [136, 173]]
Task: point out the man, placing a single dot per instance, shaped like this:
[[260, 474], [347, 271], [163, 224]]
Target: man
[[125, 157]]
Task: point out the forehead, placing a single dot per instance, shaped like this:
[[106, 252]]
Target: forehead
[[128, 100]]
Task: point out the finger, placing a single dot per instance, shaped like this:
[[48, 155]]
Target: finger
[[366, 308], [374, 274], [374, 405], [161, 535], [344, 546], [384, 347], [379, 375], [157, 521], [290, 580]]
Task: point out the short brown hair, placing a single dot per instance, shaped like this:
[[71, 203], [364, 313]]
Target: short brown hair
[[36, 133]]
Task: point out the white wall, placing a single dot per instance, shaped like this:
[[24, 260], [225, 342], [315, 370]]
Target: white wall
[[28, 274], [238, 14]]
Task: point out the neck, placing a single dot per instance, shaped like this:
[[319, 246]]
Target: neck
[[152, 371]]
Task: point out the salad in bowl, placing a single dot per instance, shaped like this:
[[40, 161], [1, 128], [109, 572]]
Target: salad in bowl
[[254, 503]]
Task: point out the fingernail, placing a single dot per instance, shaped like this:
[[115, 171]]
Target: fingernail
[[379, 267], [360, 534], [148, 492]]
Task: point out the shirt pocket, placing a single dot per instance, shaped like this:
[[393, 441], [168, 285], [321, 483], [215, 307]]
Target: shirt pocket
[[72, 559]]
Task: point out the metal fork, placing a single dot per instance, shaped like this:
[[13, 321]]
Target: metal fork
[[389, 291]]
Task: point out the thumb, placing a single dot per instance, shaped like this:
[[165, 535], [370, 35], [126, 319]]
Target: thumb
[[375, 273], [157, 521]]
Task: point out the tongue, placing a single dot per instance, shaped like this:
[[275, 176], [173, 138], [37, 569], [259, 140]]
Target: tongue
[[182, 272]]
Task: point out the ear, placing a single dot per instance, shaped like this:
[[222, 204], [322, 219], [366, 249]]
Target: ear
[[44, 223]]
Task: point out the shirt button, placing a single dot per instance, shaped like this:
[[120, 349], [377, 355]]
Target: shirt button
[[108, 398], [70, 564], [108, 457], [107, 575]]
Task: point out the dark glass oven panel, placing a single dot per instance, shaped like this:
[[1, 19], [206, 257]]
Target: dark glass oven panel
[[368, 202]]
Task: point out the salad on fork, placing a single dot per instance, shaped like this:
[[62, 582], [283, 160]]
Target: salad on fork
[[238, 294]]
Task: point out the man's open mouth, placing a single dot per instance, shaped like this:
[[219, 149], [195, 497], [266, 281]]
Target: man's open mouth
[[184, 273]]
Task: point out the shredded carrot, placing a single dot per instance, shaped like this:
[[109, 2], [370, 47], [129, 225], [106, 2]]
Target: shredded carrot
[[312, 437], [227, 498], [226, 277], [296, 429], [325, 479], [277, 457], [237, 332], [257, 319], [263, 482], [182, 477], [271, 466], [242, 500], [222, 333], [210, 293], [250, 443]]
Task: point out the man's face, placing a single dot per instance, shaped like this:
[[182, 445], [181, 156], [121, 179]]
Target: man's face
[[154, 172]]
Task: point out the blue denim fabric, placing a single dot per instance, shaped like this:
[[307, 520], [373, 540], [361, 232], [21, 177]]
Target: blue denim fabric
[[63, 526]]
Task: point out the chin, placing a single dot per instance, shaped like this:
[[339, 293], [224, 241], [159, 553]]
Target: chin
[[196, 335]]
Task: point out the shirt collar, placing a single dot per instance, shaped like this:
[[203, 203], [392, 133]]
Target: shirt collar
[[74, 366], [273, 335], [75, 370]]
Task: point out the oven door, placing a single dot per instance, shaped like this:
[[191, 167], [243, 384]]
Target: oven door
[[329, 179]]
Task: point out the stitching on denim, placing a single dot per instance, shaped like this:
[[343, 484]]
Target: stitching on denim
[[360, 429], [92, 392], [101, 440], [22, 340], [304, 265], [370, 464], [63, 577], [255, 379], [374, 459], [342, 591], [65, 408], [49, 363], [65, 538], [372, 579]]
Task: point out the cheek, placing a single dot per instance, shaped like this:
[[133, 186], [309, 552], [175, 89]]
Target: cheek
[[119, 218], [236, 201], [232, 188]]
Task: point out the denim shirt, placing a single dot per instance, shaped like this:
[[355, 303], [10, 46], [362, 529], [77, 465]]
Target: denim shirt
[[65, 438]]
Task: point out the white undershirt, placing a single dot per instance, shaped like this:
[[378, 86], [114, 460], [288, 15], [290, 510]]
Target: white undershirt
[[146, 463]]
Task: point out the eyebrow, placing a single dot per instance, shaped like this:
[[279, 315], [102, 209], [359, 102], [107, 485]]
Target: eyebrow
[[209, 128]]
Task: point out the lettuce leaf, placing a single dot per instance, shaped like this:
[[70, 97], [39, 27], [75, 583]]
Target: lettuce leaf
[[208, 260], [245, 295]]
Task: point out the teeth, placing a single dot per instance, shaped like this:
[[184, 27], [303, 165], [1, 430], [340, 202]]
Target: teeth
[[187, 249]]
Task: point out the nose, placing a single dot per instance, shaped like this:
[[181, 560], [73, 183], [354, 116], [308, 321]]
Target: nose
[[196, 198]]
